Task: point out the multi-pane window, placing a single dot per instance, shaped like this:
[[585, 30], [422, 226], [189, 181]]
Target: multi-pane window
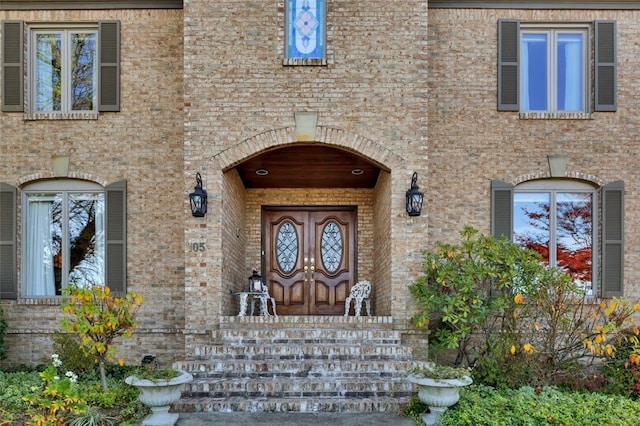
[[558, 223], [556, 70], [553, 71], [305, 29], [64, 77], [64, 239], [573, 225], [60, 71]]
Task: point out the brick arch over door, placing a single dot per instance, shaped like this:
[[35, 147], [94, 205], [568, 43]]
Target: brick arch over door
[[390, 273], [376, 152]]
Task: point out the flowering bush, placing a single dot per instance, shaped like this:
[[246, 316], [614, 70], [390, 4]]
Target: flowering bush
[[57, 398], [513, 319]]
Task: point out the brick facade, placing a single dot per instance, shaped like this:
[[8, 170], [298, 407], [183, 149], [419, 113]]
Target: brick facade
[[142, 144]]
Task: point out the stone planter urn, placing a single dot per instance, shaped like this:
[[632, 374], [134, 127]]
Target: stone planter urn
[[159, 394], [438, 394]]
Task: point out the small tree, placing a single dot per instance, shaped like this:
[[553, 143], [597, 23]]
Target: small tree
[[98, 318]]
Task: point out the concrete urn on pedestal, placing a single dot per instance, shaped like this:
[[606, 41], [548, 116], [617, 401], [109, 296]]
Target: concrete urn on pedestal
[[159, 394], [438, 394]]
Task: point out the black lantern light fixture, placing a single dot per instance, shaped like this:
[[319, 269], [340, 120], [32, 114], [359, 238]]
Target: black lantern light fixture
[[198, 198], [414, 197], [255, 282]]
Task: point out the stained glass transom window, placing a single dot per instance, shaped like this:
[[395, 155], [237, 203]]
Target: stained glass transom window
[[287, 247], [305, 28], [332, 247]]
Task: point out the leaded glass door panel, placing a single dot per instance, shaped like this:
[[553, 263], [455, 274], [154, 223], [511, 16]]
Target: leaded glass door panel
[[309, 259]]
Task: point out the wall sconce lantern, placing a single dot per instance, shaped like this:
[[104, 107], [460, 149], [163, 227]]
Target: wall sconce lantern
[[414, 197], [255, 282], [198, 198]]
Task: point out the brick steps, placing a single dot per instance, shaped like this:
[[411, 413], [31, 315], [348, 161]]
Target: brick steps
[[295, 368], [303, 364], [280, 405], [298, 387]]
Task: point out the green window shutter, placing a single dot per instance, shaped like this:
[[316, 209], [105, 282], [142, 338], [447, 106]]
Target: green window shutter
[[501, 209], [606, 67], [12, 66], [613, 239], [116, 237], [109, 66], [8, 276], [508, 69]]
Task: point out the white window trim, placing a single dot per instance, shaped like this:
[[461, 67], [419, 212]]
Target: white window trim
[[65, 113], [63, 185], [552, 29], [554, 186]]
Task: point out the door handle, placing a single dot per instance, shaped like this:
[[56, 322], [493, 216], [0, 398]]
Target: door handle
[[313, 268], [306, 269]]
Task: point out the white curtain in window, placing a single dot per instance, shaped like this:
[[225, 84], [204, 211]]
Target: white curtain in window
[[39, 270], [524, 77], [571, 44]]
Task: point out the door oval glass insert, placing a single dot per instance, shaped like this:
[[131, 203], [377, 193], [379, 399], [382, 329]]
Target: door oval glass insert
[[332, 247], [286, 247]]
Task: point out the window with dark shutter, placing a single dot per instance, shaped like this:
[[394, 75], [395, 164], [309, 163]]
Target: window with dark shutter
[[109, 66], [613, 238], [12, 68], [116, 237], [521, 67], [606, 68], [8, 276]]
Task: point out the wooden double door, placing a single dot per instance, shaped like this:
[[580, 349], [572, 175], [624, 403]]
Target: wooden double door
[[309, 258]]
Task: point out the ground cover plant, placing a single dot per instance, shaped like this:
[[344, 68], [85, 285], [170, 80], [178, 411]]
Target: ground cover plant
[[23, 400], [481, 405], [77, 386]]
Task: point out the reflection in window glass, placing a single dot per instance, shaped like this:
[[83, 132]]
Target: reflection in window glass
[[48, 72], [86, 239], [559, 226], [83, 67], [64, 241], [574, 230], [65, 70]]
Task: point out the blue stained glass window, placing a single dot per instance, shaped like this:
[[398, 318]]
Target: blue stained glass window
[[305, 28]]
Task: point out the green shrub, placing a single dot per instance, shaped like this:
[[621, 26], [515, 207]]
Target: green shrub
[[619, 375], [483, 406], [512, 318], [13, 386], [68, 347]]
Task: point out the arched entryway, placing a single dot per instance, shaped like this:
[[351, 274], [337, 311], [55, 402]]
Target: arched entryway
[[309, 239], [322, 182]]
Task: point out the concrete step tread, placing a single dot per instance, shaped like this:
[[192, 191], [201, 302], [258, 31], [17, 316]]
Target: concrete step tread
[[302, 351], [243, 380], [306, 322], [315, 366], [388, 404]]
